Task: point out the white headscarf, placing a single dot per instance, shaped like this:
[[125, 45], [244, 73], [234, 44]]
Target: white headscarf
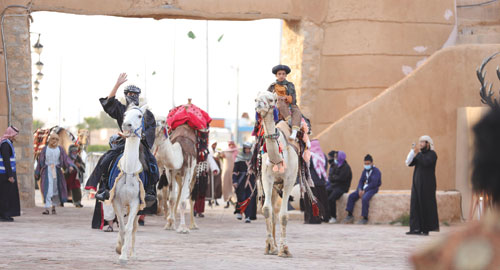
[[428, 139]]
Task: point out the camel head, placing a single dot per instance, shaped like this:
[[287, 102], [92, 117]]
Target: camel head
[[133, 121], [265, 102], [161, 130]]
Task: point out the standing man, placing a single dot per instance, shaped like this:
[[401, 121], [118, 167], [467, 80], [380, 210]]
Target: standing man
[[423, 205], [229, 156], [49, 168], [75, 178], [9, 192], [370, 181], [243, 185]]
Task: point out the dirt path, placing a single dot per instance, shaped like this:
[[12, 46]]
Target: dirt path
[[66, 241]]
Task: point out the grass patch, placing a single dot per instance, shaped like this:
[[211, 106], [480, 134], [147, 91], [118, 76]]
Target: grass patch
[[404, 220], [97, 148]]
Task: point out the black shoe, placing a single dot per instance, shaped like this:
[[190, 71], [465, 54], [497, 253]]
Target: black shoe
[[10, 219], [102, 196], [425, 233], [216, 203], [413, 233], [201, 215], [141, 222], [227, 205], [4, 219]]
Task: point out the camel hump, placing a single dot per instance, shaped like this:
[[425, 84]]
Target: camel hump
[[183, 131], [186, 137]]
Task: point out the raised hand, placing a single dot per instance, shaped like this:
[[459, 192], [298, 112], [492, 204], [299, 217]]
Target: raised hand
[[121, 79]]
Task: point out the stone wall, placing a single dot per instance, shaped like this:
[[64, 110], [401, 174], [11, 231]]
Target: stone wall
[[343, 54], [17, 42], [478, 24], [425, 102]]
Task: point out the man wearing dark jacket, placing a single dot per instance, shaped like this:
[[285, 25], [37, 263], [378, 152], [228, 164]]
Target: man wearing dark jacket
[[339, 177], [116, 110], [370, 181]]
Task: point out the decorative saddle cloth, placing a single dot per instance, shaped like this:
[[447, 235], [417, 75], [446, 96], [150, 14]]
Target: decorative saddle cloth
[[189, 114], [116, 173]]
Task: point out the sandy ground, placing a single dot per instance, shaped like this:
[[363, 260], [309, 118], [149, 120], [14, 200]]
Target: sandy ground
[[66, 241]]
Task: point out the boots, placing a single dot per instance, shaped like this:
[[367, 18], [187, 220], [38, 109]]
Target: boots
[[103, 193]]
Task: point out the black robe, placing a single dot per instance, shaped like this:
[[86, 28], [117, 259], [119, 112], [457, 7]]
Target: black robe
[[116, 110], [423, 206], [9, 192], [319, 191]]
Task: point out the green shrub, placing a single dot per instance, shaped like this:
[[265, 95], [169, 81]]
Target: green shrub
[[97, 148], [404, 219]]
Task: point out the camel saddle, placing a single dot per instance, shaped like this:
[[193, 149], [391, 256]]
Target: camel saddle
[[287, 131]]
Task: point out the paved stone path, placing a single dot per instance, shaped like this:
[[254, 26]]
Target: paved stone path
[[66, 241]]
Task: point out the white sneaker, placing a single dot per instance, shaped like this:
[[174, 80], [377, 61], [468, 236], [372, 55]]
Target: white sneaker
[[294, 134], [332, 220], [239, 216], [247, 220]]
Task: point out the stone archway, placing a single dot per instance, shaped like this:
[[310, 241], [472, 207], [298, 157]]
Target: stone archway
[[19, 60], [344, 53]]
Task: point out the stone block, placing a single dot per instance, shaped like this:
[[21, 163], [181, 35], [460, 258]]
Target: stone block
[[364, 71], [332, 105], [431, 11], [391, 38]]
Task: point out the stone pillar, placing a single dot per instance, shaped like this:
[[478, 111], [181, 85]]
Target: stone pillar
[[301, 50], [17, 47]]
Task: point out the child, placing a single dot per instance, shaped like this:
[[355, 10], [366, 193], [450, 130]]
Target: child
[[287, 101]]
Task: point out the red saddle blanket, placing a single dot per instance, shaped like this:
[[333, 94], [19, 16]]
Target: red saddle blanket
[[189, 114]]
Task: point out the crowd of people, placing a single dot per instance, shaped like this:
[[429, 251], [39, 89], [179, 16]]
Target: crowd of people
[[230, 174], [329, 188]]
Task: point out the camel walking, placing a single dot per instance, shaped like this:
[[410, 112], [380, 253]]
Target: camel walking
[[279, 171], [127, 195], [177, 155]]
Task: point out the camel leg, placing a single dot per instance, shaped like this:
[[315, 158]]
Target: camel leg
[[184, 196], [129, 228], [164, 202], [276, 209], [121, 225], [283, 218], [172, 201], [193, 225], [267, 210], [134, 231]]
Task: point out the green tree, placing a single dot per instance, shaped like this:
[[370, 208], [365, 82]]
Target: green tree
[[93, 123], [37, 124], [106, 121]]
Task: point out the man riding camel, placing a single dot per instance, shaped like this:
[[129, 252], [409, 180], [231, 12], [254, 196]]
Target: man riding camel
[[287, 101], [115, 109]]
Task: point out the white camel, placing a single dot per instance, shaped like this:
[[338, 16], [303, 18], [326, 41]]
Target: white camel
[[179, 161], [127, 195], [278, 170]]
